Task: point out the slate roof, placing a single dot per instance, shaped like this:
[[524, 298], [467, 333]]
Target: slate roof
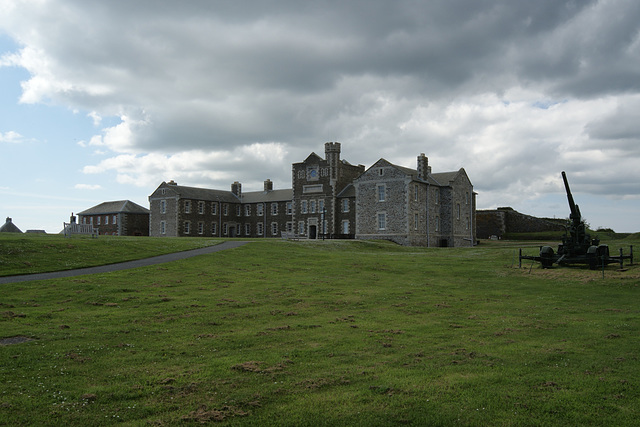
[[267, 196], [196, 193], [9, 227], [119, 206], [439, 179]]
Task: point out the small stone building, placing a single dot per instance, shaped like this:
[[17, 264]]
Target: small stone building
[[117, 218], [9, 227]]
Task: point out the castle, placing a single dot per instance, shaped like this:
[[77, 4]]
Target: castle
[[328, 198]]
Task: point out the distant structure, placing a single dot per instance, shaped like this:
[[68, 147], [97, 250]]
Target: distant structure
[[117, 218], [498, 222], [330, 198], [9, 227]]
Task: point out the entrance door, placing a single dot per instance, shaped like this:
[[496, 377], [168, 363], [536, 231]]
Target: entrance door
[[313, 231], [232, 232]]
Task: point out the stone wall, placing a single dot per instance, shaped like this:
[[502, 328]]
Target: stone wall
[[500, 221]]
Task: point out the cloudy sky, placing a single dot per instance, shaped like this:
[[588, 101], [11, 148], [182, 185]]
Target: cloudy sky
[[104, 100]]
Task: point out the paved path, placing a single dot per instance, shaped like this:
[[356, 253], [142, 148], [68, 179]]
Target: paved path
[[229, 244]]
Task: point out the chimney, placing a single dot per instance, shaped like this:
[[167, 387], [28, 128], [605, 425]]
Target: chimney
[[172, 182], [8, 220], [268, 185], [332, 155], [236, 188], [424, 170]]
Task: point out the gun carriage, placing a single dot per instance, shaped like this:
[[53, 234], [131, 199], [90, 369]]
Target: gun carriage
[[577, 246]]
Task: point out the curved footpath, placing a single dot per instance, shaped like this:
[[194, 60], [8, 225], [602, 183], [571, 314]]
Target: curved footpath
[[160, 259]]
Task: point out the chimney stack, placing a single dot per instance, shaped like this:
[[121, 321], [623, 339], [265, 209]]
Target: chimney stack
[[236, 188], [424, 170], [268, 185]]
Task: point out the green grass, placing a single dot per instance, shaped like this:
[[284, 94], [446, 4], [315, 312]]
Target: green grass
[[37, 253], [326, 333]]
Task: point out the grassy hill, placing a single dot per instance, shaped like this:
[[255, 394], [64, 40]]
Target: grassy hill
[[323, 333]]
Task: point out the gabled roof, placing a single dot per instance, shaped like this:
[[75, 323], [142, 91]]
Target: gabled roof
[[9, 227], [439, 179], [348, 191], [119, 206], [313, 157]]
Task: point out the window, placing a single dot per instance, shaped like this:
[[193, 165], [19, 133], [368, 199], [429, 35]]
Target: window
[[98, 220], [200, 227], [225, 229], [437, 195], [304, 207], [91, 220], [274, 228], [289, 208], [320, 205], [381, 171], [289, 227], [345, 205], [247, 210], [312, 206], [345, 227], [214, 228], [225, 209], [382, 221], [458, 211], [187, 206], [201, 208], [163, 227], [437, 223], [415, 192], [106, 220], [163, 206], [163, 191], [301, 228], [115, 219], [214, 208], [260, 209], [187, 227], [381, 192], [415, 221], [238, 210], [247, 229], [274, 209], [260, 229]]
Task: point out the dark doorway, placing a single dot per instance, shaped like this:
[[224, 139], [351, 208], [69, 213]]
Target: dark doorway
[[313, 231], [232, 232], [444, 243]]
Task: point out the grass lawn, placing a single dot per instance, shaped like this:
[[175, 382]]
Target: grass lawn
[[325, 333], [38, 253]]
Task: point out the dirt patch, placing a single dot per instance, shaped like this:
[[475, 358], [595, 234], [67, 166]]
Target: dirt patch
[[204, 415], [14, 340]]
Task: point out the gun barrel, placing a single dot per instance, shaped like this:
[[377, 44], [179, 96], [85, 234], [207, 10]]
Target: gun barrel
[[575, 213]]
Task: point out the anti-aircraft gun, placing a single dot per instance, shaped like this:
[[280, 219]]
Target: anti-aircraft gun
[[577, 246]]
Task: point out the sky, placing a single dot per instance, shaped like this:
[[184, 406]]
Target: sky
[[105, 100]]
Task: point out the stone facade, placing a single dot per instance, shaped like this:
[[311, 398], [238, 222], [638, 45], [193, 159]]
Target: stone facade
[[329, 198], [500, 221], [180, 211], [316, 184], [415, 206], [118, 218]]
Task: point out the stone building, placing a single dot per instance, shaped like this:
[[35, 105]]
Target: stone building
[[415, 206], [321, 206], [329, 198], [9, 227], [178, 211], [117, 218]]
